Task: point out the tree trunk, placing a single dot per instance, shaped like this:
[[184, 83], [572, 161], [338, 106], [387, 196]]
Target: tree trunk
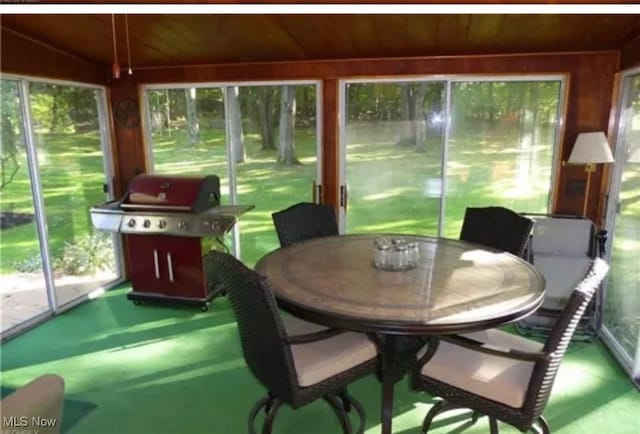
[[265, 121], [306, 105], [8, 150], [491, 103], [522, 111], [286, 147], [526, 139], [235, 125], [57, 115], [406, 129], [533, 103], [419, 121], [193, 125], [167, 111]]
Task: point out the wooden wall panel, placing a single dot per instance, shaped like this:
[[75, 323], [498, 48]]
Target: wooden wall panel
[[591, 77], [24, 56], [630, 55], [589, 105], [330, 145], [125, 105]]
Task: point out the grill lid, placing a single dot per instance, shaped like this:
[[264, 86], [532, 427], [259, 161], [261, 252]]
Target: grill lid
[[172, 193]]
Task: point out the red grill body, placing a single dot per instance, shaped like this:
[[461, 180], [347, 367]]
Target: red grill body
[[184, 256], [170, 223]]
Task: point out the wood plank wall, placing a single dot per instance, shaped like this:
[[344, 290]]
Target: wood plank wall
[[590, 83], [630, 54], [25, 56]]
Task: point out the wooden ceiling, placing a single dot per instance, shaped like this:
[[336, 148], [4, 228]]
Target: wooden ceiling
[[164, 40]]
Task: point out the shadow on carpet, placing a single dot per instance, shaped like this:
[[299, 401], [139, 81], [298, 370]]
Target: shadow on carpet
[[73, 412]]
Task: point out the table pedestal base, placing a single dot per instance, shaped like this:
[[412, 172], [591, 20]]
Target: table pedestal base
[[397, 356]]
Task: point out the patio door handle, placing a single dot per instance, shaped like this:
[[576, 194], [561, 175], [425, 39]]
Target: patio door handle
[[316, 192], [344, 196]]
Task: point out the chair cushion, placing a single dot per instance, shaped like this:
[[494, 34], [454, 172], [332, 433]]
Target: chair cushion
[[297, 326], [497, 378], [564, 236], [562, 274], [317, 361]]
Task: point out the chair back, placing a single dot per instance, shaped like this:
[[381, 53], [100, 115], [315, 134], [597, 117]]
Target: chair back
[[563, 236], [304, 221], [496, 227], [544, 372], [262, 334]]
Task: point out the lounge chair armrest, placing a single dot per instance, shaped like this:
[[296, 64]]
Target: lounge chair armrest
[[494, 350], [312, 337]]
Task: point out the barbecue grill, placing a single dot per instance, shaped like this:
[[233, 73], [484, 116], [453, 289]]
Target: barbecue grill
[[170, 223]]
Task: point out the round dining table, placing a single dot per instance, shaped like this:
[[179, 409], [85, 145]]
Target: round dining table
[[456, 287]]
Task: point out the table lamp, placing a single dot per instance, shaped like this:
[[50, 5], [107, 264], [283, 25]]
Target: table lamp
[[590, 149]]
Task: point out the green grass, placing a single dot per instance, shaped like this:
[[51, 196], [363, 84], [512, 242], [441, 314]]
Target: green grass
[[72, 175], [161, 370], [390, 187]]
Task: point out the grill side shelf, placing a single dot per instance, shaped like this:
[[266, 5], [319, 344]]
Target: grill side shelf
[[155, 220], [107, 216]]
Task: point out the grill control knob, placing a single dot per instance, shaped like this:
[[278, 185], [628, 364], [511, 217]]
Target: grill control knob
[[147, 223], [131, 223], [182, 224], [162, 224]]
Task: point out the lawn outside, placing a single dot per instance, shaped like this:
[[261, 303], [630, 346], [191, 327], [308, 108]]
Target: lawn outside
[[391, 189]]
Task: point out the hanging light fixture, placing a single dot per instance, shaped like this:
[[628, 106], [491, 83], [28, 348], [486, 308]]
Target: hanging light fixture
[[115, 68], [126, 29]]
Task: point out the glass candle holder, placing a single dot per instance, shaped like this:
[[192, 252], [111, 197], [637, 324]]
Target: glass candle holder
[[382, 253], [413, 253], [400, 256]]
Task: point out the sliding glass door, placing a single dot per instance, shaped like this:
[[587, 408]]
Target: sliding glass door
[[72, 173], [260, 139], [393, 139], [55, 166], [416, 154], [23, 290], [622, 306], [501, 144]]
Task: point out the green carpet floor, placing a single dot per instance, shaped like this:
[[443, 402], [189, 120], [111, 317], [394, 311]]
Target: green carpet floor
[[171, 370]]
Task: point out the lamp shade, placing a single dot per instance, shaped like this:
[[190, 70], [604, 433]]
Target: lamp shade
[[591, 148]]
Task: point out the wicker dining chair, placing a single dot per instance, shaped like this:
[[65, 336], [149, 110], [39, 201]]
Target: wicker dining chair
[[503, 376], [497, 227], [304, 221], [297, 361]]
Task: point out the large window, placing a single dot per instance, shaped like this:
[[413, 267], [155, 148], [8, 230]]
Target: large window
[[54, 143], [622, 306], [393, 142], [500, 148], [260, 139], [417, 153], [23, 289]]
